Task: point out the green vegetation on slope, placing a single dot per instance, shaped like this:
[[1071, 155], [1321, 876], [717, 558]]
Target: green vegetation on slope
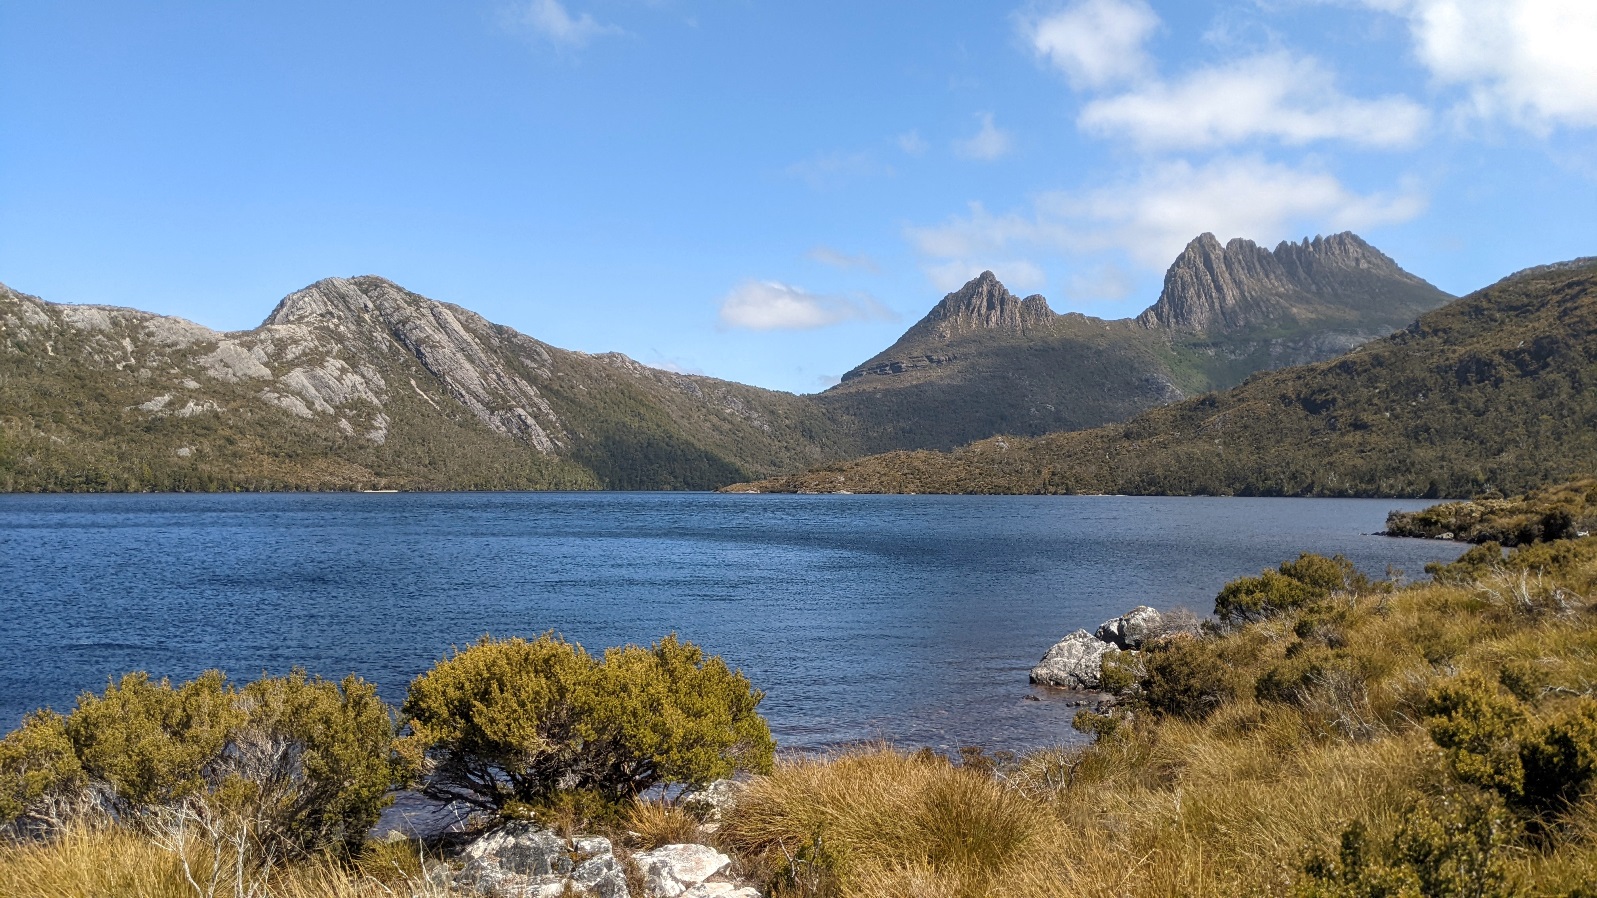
[[1490, 392], [1556, 512], [357, 384]]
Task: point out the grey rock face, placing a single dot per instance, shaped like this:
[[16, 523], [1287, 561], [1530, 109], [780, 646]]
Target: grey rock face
[[521, 847], [1075, 662], [1132, 629], [672, 870], [985, 304], [1213, 288]]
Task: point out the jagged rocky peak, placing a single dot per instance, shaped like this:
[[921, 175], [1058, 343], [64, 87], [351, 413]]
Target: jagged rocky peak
[[1211, 287], [341, 299], [986, 304]]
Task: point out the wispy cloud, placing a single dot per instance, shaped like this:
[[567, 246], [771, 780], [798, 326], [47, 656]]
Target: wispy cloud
[[1274, 96], [1094, 42], [1152, 215], [553, 21], [769, 305], [912, 143], [831, 169], [828, 256], [1528, 61], [987, 144]]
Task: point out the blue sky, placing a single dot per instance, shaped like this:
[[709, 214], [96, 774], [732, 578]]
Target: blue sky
[[767, 192]]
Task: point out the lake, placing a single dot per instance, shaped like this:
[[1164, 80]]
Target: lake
[[909, 618]]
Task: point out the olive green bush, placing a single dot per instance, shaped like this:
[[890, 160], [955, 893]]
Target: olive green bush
[[514, 721], [1453, 846], [1491, 741], [1185, 678], [301, 764], [37, 764], [1294, 584]]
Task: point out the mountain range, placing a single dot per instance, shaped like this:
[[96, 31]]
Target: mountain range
[[360, 384], [1491, 392], [986, 362]]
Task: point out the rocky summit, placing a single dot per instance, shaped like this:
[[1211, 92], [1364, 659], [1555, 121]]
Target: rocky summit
[[986, 362], [358, 383]]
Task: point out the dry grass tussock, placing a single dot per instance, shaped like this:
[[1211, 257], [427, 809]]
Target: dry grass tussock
[[117, 862], [875, 821]]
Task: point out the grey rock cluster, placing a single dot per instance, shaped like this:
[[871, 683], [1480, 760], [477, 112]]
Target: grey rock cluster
[[1076, 662], [523, 860]]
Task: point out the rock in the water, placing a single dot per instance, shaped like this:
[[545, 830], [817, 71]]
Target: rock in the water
[[672, 870], [1075, 662], [1132, 629]]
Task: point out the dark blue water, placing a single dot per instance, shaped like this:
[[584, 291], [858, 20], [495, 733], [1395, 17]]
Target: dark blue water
[[913, 618]]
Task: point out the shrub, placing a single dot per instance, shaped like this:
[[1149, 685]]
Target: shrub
[[1185, 678], [1480, 730], [1560, 759], [1453, 846], [313, 761], [37, 764], [512, 720], [299, 763], [1540, 769], [1294, 584], [151, 743]]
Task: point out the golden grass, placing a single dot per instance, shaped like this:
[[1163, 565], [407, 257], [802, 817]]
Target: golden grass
[[880, 822], [113, 862], [656, 823]]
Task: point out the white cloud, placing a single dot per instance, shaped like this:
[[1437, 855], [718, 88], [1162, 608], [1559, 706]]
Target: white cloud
[[768, 305], [1152, 216], [987, 144], [1529, 61], [1276, 96], [912, 143], [828, 256], [1094, 42], [552, 20]]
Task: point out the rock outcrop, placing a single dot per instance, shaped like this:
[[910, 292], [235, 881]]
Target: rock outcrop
[[524, 860], [1227, 289], [1130, 630], [688, 871], [1075, 662]]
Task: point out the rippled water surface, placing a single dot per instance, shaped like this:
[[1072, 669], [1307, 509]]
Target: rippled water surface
[[913, 618]]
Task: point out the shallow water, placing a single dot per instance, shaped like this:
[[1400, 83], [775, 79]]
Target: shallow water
[[911, 618]]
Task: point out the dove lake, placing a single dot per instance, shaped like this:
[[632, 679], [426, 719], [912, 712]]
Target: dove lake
[[908, 618]]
